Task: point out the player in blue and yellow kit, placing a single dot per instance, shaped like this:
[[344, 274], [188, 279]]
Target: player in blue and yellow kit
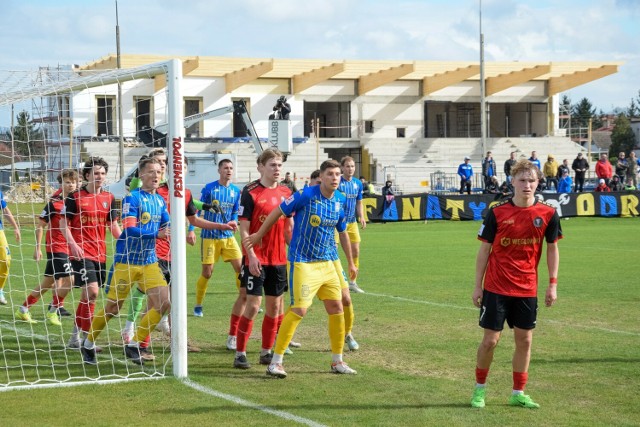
[[318, 212], [145, 218], [216, 243], [5, 253], [352, 188]]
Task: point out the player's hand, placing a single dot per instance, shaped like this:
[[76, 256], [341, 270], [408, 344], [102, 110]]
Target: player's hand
[[476, 297], [255, 268], [163, 233], [76, 251], [233, 225], [353, 272], [551, 295], [37, 254], [191, 238], [17, 235], [212, 207], [363, 223], [251, 241]]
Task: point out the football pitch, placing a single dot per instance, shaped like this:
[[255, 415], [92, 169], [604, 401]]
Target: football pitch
[[418, 335]]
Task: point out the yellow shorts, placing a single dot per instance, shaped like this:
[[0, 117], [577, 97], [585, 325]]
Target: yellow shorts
[[352, 231], [123, 276], [5, 253], [308, 279], [344, 284], [212, 249]]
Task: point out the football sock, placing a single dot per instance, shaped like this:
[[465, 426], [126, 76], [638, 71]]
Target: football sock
[[4, 271], [269, 330], [520, 381], [287, 329], [147, 324], [233, 325], [481, 375], [57, 302], [30, 301], [244, 332], [336, 332], [97, 326], [137, 299], [356, 261], [348, 318], [201, 289]]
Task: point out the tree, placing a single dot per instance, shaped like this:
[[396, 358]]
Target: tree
[[632, 110], [622, 137], [582, 112], [28, 139]]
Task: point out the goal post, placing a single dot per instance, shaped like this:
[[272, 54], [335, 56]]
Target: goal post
[[52, 119]]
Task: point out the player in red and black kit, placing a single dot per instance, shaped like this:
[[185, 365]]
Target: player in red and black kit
[[58, 273], [506, 285], [88, 211], [264, 267]]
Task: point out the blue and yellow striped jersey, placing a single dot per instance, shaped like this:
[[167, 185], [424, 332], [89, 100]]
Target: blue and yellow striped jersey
[[228, 198], [150, 212], [352, 190], [315, 220]]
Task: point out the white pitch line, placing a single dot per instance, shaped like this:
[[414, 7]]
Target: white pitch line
[[242, 402], [459, 307]]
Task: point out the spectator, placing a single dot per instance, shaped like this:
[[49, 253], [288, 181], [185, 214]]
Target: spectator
[[493, 187], [564, 166], [508, 164], [580, 166], [465, 171], [288, 182], [621, 166], [367, 187], [602, 186], [604, 169], [488, 169], [565, 183], [632, 170], [506, 189], [615, 184], [281, 110], [550, 171], [534, 159]]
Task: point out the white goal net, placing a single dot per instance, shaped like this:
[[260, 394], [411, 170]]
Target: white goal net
[[53, 120]]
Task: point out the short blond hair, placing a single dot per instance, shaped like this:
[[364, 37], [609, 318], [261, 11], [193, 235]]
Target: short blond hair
[[526, 166]]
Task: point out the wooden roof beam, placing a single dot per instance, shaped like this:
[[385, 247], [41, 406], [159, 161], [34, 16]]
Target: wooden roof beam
[[245, 75], [505, 81], [160, 81], [307, 79], [569, 81], [441, 80], [374, 80]]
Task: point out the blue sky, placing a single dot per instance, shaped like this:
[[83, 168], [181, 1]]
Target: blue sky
[[38, 32]]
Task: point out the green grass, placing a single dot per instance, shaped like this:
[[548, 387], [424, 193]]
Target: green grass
[[418, 334]]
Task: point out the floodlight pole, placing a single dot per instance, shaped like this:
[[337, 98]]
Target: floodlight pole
[[120, 121], [483, 106]]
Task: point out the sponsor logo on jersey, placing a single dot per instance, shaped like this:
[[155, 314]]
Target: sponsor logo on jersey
[[145, 217], [314, 220]]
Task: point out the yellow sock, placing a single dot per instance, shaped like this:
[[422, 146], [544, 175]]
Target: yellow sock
[[201, 289], [287, 329], [356, 261], [147, 324], [4, 271], [336, 332], [97, 326], [349, 316]]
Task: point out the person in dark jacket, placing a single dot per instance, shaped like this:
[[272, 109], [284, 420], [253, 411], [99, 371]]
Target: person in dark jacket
[[580, 167]]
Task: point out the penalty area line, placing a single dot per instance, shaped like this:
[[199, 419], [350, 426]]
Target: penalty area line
[[242, 402], [416, 301]]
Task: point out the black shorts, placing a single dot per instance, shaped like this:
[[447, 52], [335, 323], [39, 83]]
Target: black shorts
[[88, 271], [272, 279], [165, 266], [519, 312], [58, 265]]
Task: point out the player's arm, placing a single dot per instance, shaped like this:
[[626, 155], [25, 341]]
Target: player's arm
[[360, 214], [114, 227], [69, 211], [196, 221], [346, 248], [255, 268], [37, 253], [553, 262], [481, 266], [16, 228], [255, 238], [288, 230]]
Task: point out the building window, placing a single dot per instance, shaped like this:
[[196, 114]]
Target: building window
[[105, 115], [368, 126], [143, 111], [400, 132], [193, 106]]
